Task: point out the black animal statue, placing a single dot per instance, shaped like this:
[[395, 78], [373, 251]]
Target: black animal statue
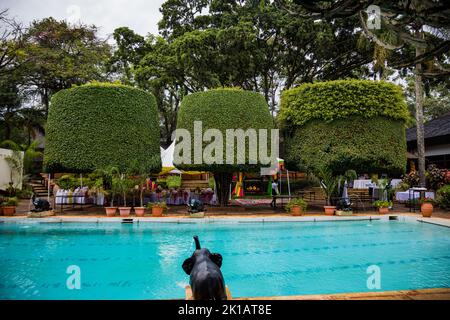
[[40, 205], [206, 279], [195, 206]]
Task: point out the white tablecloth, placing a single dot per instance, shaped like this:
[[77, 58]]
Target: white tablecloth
[[362, 184], [404, 195], [366, 183]]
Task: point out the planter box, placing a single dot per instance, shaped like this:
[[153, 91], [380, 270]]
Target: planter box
[[110, 211], [42, 214], [383, 210], [9, 210], [197, 215], [157, 211], [139, 211], [344, 213], [124, 211]]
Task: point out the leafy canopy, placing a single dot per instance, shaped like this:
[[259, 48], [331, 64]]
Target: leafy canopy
[[341, 99], [99, 125]]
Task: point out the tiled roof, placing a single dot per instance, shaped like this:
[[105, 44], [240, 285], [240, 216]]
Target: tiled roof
[[434, 128]]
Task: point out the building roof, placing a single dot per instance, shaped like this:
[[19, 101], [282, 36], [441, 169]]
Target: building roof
[[435, 128]]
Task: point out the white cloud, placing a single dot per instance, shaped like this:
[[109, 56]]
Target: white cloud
[[142, 16]]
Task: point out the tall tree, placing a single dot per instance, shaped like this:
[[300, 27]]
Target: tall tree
[[255, 45], [10, 103], [11, 43], [418, 33], [61, 55], [130, 48]]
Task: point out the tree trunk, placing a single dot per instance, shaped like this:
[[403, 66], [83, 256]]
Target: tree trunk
[[46, 102], [419, 119], [223, 181]]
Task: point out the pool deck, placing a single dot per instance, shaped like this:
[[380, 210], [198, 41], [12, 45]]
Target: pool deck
[[247, 218], [424, 294]]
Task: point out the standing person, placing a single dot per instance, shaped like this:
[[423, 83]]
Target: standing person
[[274, 193]]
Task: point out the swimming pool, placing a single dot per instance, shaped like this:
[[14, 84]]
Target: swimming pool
[[143, 261]]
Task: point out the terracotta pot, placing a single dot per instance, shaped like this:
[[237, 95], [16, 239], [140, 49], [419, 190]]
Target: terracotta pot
[[124, 211], [139, 211], [296, 211], [426, 209], [383, 210], [157, 211], [329, 210], [110, 211], [9, 210]]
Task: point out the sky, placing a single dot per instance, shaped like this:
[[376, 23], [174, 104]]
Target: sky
[[142, 16]]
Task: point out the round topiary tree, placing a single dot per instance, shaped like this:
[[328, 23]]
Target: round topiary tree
[[99, 125], [344, 125], [222, 110]]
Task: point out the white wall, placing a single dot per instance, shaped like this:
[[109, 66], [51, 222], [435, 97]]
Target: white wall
[[5, 171]]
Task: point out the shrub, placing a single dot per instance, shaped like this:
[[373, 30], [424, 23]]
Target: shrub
[[157, 205], [333, 100], [10, 202], [411, 179], [173, 181], [345, 124], [435, 177], [402, 186], [296, 202], [382, 204], [68, 182], [443, 197], [98, 125], [427, 200]]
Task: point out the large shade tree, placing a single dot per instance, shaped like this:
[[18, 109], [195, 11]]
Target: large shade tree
[[221, 109], [413, 35], [255, 45], [58, 55]]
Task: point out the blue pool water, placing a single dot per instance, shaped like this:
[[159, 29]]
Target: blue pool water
[[143, 261]]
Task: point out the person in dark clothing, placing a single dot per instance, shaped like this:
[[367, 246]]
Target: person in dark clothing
[[274, 193]]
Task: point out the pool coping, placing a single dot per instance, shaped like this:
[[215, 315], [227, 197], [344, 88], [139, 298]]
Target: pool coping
[[58, 219], [418, 294]]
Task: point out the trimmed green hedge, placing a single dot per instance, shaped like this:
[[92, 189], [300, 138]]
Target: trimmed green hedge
[[97, 125], [340, 99], [345, 124], [375, 145], [223, 109]]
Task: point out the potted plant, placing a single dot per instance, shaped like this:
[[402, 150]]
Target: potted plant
[[124, 186], [140, 211], [9, 206], [329, 184], [383, 206], [111, 210], [297, 207], [110, 179], [426, 207], [157, 208]]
